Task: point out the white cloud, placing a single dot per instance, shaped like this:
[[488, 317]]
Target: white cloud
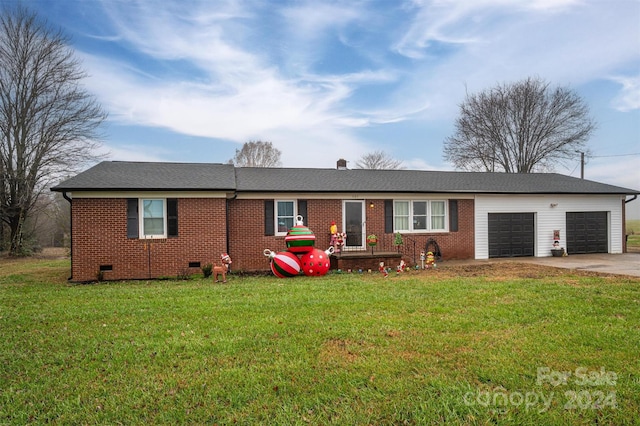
[[490, 42], [244, 96], [242, 90], [629, 97], [308, 25]]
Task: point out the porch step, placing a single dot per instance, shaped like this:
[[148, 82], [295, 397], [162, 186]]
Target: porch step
[[364, 260], [367, 255]]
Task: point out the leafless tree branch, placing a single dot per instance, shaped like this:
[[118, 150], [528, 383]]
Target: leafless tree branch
[[520, 127], [48, 122]]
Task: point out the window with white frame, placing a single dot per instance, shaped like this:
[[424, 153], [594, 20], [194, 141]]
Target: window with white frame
[[153, 218], [438, 213], [285, 216], [419, 215]]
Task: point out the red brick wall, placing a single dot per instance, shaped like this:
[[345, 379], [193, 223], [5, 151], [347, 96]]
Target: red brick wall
[[100, 236], [247, 240], [453, 245], [99, 227]]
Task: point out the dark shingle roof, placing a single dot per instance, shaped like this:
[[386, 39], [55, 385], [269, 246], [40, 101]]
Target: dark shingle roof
[[128, 176], [200, 176], [332, 180]]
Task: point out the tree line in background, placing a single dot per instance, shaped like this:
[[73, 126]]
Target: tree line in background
[[49, 128], [264, 154]]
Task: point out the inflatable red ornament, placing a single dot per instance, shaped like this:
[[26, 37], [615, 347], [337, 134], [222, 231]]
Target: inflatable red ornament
[[300, 239], [316, 262], [283, 264]]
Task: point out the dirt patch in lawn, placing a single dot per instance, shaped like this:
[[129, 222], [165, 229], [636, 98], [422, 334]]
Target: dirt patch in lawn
[[502, 271]]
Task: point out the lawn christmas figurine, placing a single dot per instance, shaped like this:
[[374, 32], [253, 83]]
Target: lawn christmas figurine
[[383, 270], [431, 260], [340, 240], [337, 238], [223, 268], [400, 267]]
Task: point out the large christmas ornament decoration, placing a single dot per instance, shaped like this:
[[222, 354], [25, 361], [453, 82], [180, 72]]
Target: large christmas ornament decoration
[[300, 239], [283, 264], [316, 262]]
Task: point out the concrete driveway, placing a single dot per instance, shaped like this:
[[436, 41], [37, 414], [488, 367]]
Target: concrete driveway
[[623, 264]]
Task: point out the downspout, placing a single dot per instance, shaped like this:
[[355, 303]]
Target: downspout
[[624, 231], [66, 197], [226, 221]]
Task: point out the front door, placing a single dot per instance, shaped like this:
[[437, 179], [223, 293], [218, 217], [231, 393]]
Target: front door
[[354, 223]]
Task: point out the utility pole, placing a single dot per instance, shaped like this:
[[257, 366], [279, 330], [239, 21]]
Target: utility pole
[[581, 164]]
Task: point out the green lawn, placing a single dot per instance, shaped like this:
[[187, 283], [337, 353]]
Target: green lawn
[[473, 345], [633, 228]]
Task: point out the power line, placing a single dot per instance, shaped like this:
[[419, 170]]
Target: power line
[[616, 155]]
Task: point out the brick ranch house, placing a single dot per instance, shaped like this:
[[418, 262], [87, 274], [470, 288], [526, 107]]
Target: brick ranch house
[[135, 220]]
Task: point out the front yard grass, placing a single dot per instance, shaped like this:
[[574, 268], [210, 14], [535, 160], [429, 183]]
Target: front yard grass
[[503, 343]]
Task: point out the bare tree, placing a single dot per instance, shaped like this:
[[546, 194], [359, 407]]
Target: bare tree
[[48, 122], [257, 154], [519, 128], [378, 160]]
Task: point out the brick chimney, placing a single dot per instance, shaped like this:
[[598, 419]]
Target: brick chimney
[[341, 164]]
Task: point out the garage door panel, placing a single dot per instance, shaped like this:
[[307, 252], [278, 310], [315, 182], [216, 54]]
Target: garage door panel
[[587, 232], [511, 234]]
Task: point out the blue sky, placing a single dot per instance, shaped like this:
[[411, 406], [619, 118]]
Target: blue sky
[[192, 80]]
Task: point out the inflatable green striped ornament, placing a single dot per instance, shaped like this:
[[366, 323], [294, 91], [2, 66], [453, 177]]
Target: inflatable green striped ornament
[[300, 239]]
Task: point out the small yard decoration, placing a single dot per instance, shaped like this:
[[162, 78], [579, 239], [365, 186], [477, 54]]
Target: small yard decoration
[[556, 250], [398, 240], [372, 241], [423, 257], [401, 266], [300, 241], [338, 239], [222, 269], [383, 270], [431, 260]]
